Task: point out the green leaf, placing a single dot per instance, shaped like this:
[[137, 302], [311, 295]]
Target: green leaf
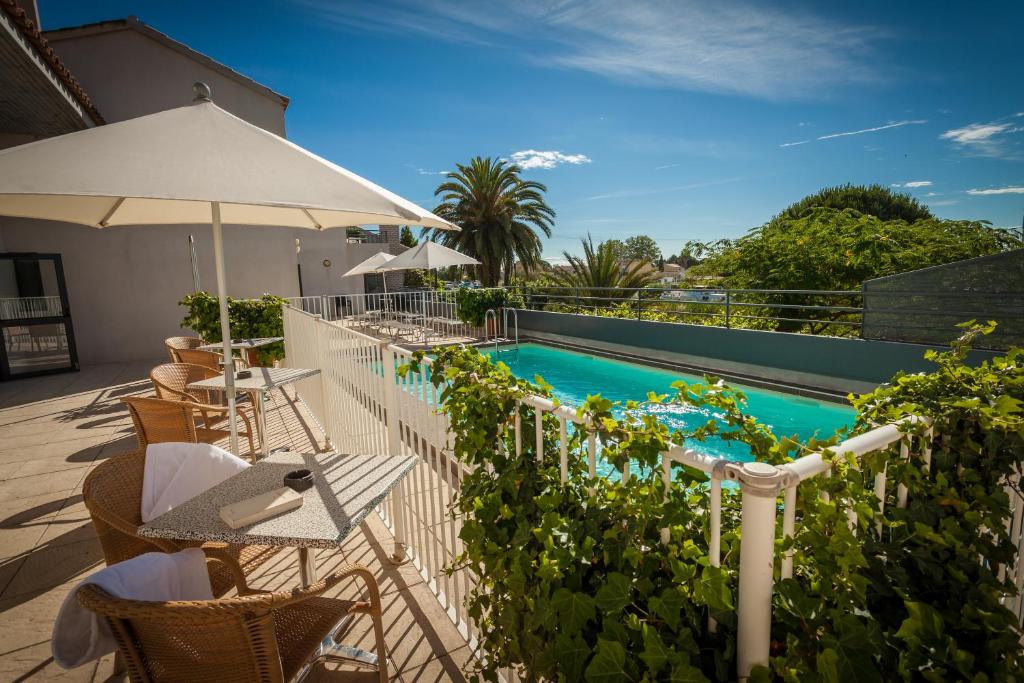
[[574, 609], [608, 665], [614, 595]]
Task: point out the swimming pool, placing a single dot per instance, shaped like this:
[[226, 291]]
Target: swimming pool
[[575, 375]]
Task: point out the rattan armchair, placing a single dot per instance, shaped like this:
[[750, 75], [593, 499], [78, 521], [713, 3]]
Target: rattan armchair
[[267, 638], [171, 381], [113, 496], [208, 359], [158, 420], [175, 344]]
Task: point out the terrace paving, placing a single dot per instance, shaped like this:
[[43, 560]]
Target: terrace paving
[[55, 430]]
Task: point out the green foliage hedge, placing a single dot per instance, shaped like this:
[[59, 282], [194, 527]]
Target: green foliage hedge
[[248, 318], [575, 583], [471, 305]]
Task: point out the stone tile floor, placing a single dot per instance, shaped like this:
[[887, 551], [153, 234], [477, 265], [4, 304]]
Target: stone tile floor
[[54, 430]]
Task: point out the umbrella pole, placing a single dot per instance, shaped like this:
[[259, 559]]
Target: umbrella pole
[[225, 325]]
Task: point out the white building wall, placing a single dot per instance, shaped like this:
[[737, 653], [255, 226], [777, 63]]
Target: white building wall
[[124, 284], [128, 74]]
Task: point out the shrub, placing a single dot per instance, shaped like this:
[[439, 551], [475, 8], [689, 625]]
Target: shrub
[[575, 583], [471, 305], [248, 318]]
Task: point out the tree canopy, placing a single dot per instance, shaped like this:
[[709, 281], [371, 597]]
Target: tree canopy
[[831, 249], [876, 200], [635, 248], [500, 215]]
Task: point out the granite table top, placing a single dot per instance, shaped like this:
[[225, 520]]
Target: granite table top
[[242, 343], [345, 489], [263, 379]]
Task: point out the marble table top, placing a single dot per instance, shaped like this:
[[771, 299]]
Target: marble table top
[[345, 489], [242, 343], [263, 379]]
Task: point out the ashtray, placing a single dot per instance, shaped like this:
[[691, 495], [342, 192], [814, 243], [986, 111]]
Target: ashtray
[[299, 480], [243, 374]]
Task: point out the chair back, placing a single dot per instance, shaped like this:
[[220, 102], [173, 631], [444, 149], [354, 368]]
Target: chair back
[[207, 359], [224, 640], [113, 496], [171, 381], [158, 420], [174, 344]]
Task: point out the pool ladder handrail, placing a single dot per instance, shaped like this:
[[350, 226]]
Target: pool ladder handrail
[[492, 314]]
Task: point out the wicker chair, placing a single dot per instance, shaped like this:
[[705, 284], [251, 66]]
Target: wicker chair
[[175, 344], [208, 359], [171, 381], [158, 420], [268, 638], [113, 496]]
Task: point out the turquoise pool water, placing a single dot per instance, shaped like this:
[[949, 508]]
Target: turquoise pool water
[[574, 376]]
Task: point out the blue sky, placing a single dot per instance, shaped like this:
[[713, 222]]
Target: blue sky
[[679, 119]]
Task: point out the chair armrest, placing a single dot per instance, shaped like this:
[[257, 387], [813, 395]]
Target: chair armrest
[[297, 595]]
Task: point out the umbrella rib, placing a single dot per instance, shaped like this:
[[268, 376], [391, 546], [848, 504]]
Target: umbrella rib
[[104, 222], [312, 220]]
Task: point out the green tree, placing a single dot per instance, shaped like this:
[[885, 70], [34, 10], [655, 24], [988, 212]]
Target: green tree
[[406, 238], [500, 215], [830, 249], [876, 200], [600, 268], [642, 248]]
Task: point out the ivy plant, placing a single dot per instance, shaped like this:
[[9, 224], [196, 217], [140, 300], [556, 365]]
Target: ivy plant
[[610, 579], [471, 305]]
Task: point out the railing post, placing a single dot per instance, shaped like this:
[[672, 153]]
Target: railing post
[[394, 444], [323, 306], [760, 484], [728, 308]]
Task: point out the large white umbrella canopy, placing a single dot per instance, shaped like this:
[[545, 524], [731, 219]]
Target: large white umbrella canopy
[[194, 164], [428, 256]]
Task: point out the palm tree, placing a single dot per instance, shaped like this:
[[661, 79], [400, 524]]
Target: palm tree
[[499, 214], [600, 269]]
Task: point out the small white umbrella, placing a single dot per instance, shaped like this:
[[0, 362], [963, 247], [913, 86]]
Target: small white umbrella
[[371, 265], [193, 164], [427, 256]]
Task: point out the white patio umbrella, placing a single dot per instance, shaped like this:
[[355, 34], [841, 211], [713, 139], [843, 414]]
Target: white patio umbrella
[[194, 164], [427, 256], [371, 265]]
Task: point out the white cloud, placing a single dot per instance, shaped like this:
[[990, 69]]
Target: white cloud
[[875, 129], [662, 168], [740, 47], [423, 171], [675, 188], [914, 183], [992, 139], [534, 158], [997, 190]]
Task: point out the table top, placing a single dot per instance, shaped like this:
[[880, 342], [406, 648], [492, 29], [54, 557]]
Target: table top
[[263, 379], [242, 343], [345, 489]]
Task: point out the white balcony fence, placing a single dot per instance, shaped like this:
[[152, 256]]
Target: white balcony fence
[[432, 311], [359, 391]]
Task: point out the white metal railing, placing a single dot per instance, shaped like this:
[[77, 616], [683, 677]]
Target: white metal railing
[[17, 308], [429, 313], [374, 409]]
